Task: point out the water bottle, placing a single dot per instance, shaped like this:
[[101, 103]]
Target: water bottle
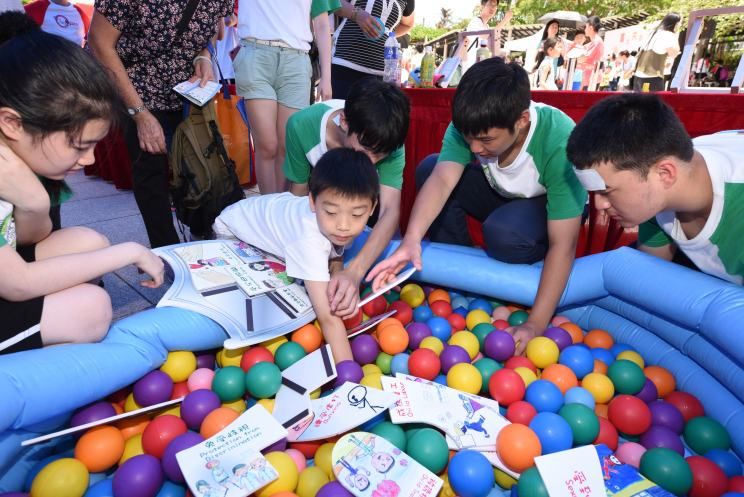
[[392, 54], [427, 68], [483, 52]]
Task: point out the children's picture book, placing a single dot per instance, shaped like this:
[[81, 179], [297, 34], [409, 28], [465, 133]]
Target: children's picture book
[[230, 463], [368, 465], [620, 480], [572, 472], [195, 93]]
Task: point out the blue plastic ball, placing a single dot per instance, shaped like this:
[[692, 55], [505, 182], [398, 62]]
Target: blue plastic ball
[[422, 313], [104, 488], [725, 460], [482, 304], [603, 355], [580, 395], [170, 489], [441, 379], [579, 359], [399, 364], [470, 474], [462, 311], [440, 328], [617, 348], [459, 301], [544, 396], [554, 432]]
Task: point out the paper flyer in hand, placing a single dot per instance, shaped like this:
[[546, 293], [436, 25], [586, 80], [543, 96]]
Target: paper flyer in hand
[[620, 480], [196, 94], [370, 466], [571, 473], [230, 463]]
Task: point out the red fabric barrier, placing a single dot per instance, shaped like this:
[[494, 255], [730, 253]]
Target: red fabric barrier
[[112, 161]]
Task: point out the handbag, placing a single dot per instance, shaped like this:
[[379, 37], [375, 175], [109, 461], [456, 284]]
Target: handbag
[[650, 62]]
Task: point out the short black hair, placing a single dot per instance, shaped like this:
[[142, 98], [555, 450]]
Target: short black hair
[[13, 23], [631, 131], [484, 2], [491, 94], [595, 22], [347, 172], [378, 113]]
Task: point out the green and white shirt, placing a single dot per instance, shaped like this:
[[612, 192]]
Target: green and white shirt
[[306, 144], [7, 225], [540, 168], [719, 247]]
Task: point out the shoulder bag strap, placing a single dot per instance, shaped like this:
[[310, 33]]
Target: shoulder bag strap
[[188, 13]]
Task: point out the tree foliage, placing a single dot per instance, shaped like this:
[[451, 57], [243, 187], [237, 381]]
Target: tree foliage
[[421, 33]]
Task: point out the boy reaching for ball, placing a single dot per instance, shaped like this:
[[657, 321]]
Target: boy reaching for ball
[[310, 233], [633, 152]]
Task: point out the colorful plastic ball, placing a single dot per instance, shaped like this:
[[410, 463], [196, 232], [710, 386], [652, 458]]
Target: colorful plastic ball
[[632, 356], [333, 489], [667, 415], [544, 396], [619, 347], [392, 433], [487, 368], [465, 377], [703, 434], [561, 376], [352, 321], [608, 434], [169, 462], [501, 313], [288, 353], [603, 355], [308, 336], [662, 379], [424, 363], [500, 324], [598, 339], [288, 474], [102, 488], [323, 458], [661, 436], [200, 379], [159, 432], [457, 321], [232, 357], [579, 359], [179, 365], [481, 331], [416, 333], [399, 364], [422, 314], [100, 448], [65, 477], [736, 484], [229, 383], [298, 458], [725, 460], [470, 474], [531, 484], [310, 480], [197, 405], [629, 414], [91, 413], [440, 328], [648, 393], [504, 480], [254, 355], [205, 360], [383, 362], [521, 412], [263, 380], [577, 335], [468, 341], [365, 349], [580, 395], [630, 453], [553, 431], [686, 403], [153, 388], [518, 446], [375, 307], [412, 295], [481, 304], [348, 370], [518, 317], [140, 476], [451, 355], [432, 343], [216, 420], [561, 337], [667, 469], [542, 351], [506, 386], [476, 317], [440, 308], [527, 375], [708, 480], [520, 362], [132, 447], [600, 386], [627, 377], [393, 339], [499, 345], [584, 423], [429, 448]]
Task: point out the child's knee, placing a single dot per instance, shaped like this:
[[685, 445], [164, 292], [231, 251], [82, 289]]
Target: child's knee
[[98, 314], [88, 239], [505, 242]]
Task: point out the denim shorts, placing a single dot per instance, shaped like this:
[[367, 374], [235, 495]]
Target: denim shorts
[[273, 73]]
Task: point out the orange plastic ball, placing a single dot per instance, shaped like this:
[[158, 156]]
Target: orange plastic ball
[[393, 339], [662, 378], [599, 367], [577, 336], [561, 376], [100, 448], [309, 337], [217, 420], [601, 410], [439, 294], [518, 446], [599, 339], [387, 322], [135, 425]]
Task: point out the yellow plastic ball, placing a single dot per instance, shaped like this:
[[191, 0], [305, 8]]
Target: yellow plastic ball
[[267, 403], [323, 458], [274, 344], [476, 317], [432, 343], [371, 369], [310, 481], [542, 351], [288, 474], [527, 375], [315, 394], [174, 410], [66, 477], [600, 386], [227, 357], [467, 341], [632, 356], [504, 480], [465, 377], [446, 490], [372, 381], [179, 365], [236, 405], [130, 404], [132, 447], [412, 295]]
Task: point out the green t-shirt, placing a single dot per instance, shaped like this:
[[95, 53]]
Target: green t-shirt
[[322, 6], [540, 168], [306, 144], [717, 249]]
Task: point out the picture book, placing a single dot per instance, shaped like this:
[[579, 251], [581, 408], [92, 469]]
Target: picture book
[[196, 94]]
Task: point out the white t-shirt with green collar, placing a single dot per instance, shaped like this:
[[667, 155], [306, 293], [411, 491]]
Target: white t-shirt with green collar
[[7, 225]]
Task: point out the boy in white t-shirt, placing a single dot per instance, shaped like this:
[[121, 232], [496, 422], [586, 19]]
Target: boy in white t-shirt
[[310, 232], [61, 18], [645, 171]]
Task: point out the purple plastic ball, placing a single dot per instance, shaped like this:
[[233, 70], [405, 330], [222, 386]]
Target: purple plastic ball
[[365, 349], [666, 415], [561, 337], [139, 476], [416, 333], [451, 355], [333, 489], [499, 345], [205, 360], [661, 436], [279, 446], [348, 371], [19, 494], [196, 405], [153, 388], [648, 393], [170, 465], [93, 412]]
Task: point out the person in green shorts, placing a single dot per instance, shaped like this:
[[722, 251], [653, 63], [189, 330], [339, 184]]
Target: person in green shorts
[[503, 162], [374, 120], [683, 194]]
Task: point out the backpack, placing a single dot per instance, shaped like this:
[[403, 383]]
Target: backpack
[[203, 178]]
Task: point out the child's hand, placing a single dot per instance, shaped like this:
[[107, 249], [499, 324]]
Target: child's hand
[[523, 334], [151, 264], [19, 185], [343, 293]]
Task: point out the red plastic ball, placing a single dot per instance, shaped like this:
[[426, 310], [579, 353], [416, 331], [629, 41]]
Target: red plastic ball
[[375, 306], [404, 312], [506, 386], [708, 480], [441, 308], [607, 434], [424, 363], [159, 432], [520, 362], [629, 414], [736, 484], [501, 324], [457, 321], [308, 449], [688, 404], [521, 412], [354, 320], [180, 390], [255, 355]]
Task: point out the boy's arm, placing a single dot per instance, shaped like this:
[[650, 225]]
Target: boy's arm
[[332, 327], [562, 237], [665, 252], [654, 241]]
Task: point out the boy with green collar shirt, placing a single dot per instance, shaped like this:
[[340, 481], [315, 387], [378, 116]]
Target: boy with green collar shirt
[[374, 120], [503, 162], [635, 154]]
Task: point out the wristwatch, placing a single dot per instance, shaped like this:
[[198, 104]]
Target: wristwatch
[[133, 111]]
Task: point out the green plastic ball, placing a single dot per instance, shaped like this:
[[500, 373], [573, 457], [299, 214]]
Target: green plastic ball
[[487, 367], [518, 317], [229, 383], [429, 448], [703, 434], [287, 354], [392, 296], [583, 422], [667, 469], [383, 362], [392, 433], [627, 377], [481, 331], [531, 484], [263, 380]]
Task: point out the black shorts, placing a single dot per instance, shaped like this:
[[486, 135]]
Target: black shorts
[[20, 321]]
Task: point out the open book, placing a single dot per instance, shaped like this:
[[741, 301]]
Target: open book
[[196, 94]]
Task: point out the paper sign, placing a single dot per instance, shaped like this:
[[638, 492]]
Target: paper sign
[[368, 324], [623, 480], [572, 473], [397, 281], [230, 464], [370, 466]]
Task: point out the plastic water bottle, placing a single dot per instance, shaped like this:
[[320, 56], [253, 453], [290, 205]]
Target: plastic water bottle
[[392, 57], [427, 68], [483, 52]]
